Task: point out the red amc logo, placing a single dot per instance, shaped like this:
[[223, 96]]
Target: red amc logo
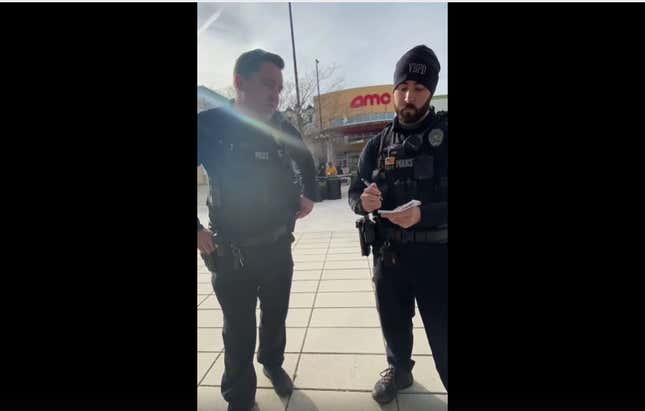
[[371, 99]]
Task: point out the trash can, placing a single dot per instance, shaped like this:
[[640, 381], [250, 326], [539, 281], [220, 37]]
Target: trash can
[[321, 192], [352, 179], [333, 188]]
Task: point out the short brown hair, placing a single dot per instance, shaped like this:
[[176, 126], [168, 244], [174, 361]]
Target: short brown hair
[[251, 61]]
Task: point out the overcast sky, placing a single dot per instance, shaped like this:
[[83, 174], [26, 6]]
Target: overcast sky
[[364, 40]]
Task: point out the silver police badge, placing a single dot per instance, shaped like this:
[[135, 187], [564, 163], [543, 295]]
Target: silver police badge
[[435, 137]]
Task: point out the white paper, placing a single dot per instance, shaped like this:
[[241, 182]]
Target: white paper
[[408, 205]]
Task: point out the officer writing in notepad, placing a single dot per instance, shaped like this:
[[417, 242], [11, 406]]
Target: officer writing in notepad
[[408, 160]]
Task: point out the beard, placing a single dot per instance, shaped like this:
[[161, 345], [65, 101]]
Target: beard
[[409, 114]]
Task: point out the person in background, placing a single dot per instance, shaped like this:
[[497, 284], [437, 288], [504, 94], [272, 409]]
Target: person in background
[[331, 170]]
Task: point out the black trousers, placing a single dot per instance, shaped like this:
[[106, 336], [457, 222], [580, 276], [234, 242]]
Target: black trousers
[[421, 273], [266, 275]]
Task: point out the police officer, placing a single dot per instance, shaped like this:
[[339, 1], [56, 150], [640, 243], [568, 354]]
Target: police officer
[[408, 160], [257, 165]]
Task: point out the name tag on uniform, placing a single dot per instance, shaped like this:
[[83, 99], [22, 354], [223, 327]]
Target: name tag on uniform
[[408, 162], [262, 155], [390, 161]]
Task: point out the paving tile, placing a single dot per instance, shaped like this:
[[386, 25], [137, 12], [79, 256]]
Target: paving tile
[[421, 345], [417, 321], [349, 274], [301, 300], [345, 317], [204, 278], [214, 377], [210, 399], [349, 240], [344, 340], [209, 339], [345, 257], [308, 265], [346, 264], [305, 251], [204, 288], [204, 361], [209, 303], [201, 298], [310, 246], [306, 275], [336, 243], [305, 400], [339, 371], [344, 250], [304, 286], [322, 241], [313, 239], [425, 402], [344, 234], [362, 299], [324, 234], [209, 318], [345, 285], [305, 258], [345, 244]]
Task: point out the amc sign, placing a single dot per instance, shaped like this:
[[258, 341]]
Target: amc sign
[[371, 99]]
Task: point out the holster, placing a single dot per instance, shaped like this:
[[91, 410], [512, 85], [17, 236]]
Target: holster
[[366, 234], [226, 257]]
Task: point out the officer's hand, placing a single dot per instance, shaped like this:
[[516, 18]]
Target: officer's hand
[[405, 219], [205, 241], [371, 198], [306, 205]]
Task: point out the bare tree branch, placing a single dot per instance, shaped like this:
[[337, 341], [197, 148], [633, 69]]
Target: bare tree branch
[[329, 81], [302, 116]]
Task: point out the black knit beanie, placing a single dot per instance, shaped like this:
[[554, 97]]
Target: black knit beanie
[[419, 64]]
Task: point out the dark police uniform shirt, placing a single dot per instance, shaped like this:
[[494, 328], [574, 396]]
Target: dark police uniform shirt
[[256, 171], [434, 214]]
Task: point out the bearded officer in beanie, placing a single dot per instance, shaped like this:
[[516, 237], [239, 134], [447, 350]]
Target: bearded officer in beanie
[[408, 160]]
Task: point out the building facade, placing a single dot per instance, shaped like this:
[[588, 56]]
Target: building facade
[[350, 118]]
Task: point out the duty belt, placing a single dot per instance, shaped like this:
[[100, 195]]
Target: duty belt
[[416, 236], [268, 237]]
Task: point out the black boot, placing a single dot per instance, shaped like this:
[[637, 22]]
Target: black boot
[[281, 381], [392, 380]]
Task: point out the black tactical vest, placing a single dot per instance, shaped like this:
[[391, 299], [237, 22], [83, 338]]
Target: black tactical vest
[[256, 186], [414, 166]]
